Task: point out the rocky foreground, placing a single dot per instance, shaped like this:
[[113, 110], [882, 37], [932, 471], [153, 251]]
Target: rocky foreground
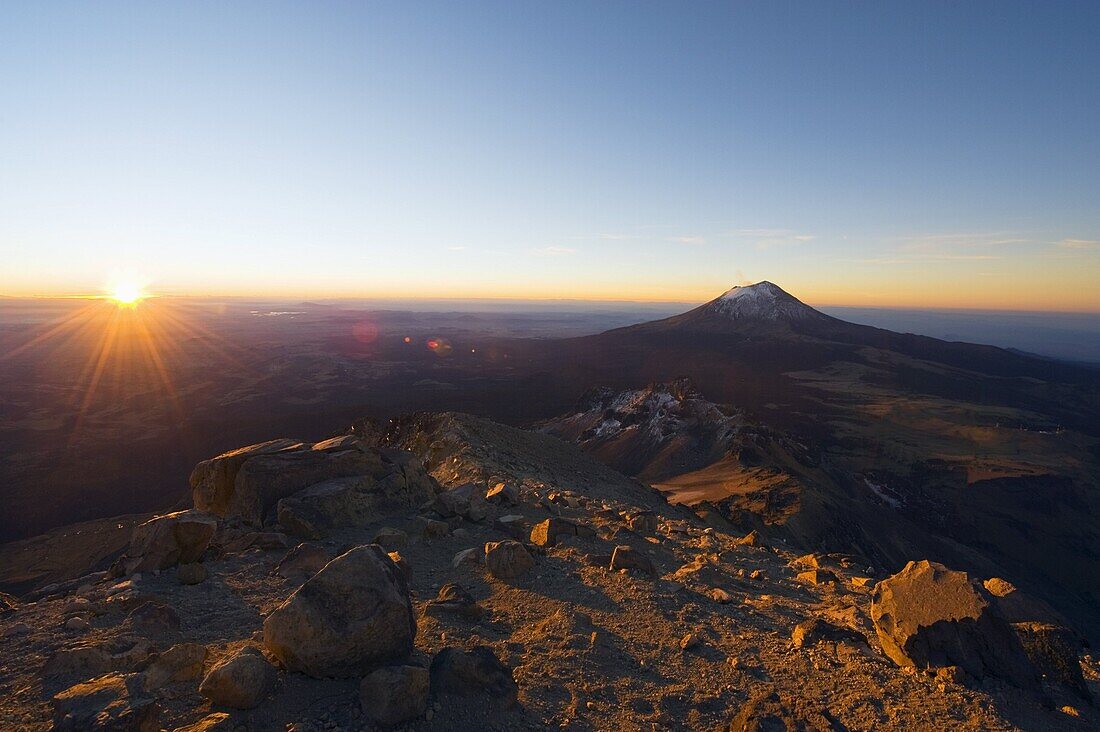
[[458, 574]]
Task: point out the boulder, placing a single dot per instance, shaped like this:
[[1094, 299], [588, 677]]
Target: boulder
[[453, 599], [767, 710], [503, 494], [817, 577], [432, 528], [644, 522], [466, 500], [512, 525], [390, 539], [83, 662], [402, 565], [475, 672], [813, 630], [507, 559], [1053, 650], [181, 662], [315, 511], [349, 618], [466, 556], [929, 616], [153, 617], [546, 533], [111, 702], [627, 557], [394, 694], [249, 482], [174, 538], [240, 681]]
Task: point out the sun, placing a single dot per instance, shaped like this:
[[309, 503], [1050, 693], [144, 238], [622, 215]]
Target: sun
[[127, 294]]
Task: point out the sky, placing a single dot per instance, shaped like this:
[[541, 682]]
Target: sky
[[933, 154]]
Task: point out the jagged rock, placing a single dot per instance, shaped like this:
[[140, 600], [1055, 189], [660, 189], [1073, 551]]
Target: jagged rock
[[753, 538], [302, 562], [130, 653], [1052, 649], [817, 577], [390, 539], [465, 500], [507, 559], [394, 694], [111, 702], [174, 538], [1019, 607], [812, 630], [927, 615], [351, 501], [503, 494], [352, 616], [216, 722], [546, 533], [154, 617], [627, 557], [644, 522], [689, 642], [474, 672], [402, 565], [181, 662], [808, 561], [240, 681], [213, 482], [453, 598], [512, 525], [82, 662], [191, 574]]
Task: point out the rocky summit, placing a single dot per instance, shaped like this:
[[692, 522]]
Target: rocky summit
[[452, 573]]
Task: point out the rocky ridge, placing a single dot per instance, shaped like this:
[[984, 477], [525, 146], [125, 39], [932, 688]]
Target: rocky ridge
[[454, 573]]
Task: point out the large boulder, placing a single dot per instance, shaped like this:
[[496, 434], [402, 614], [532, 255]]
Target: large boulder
[[174, 538], [240, 681], [477, 672], [213, 482], [507, 559], [112, 702], [350, 618], [927, 615]]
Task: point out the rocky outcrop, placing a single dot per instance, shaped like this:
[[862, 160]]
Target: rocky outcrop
[[174, 538], [927, 615], [240, 681], [336, 482], [113, 703], [351, 617]]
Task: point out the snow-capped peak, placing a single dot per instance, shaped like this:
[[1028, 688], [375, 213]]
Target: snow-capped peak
[[762, 300]]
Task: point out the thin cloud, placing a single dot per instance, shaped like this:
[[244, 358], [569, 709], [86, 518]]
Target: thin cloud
[[1079, 244], [687, 239], [554, 251], [457, 249]]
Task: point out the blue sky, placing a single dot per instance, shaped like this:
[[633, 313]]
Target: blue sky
[[940, 154]]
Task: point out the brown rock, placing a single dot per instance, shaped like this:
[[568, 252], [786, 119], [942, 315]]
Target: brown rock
[[546, 533], [813, 630], [240, 681], [644, 522], [174, 538], [302, 562], [752, 538], [817, 577], [507, 559], [109, 703], [477, 672], [927, 615], [394, 694], [453, 599], [154, 617], [216, 722], [1053, 650], [390, 539], [83, 662], [627, 557], [181, 662], [352, 616], [503, 494]]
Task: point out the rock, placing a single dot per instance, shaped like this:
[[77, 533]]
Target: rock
[[475, 672], [465, 500], [507, 559], [546, 533], [1018, 607], [302, 562], [927, 615], [644, 522], [808, 561], [8, 603], [766, 710], [813, 630], [213, 482], [861, 582], [390, 539], [315, 511], [131, 654], [16, 630], [174, 538], [216, 722], [154, 617], [181, 662], [83, 662], [1052, 649], [627, 557], [752, 538], [503, 494], [453, 599], [191, 574], [110, 702], [512, 525], [394, 694], [77, 623], [402, 565], [817, 577], [466, 556], [433, 528], [240, 681], [352, 616], [689, 642]]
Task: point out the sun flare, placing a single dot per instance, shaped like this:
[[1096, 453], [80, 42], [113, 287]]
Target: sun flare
[[127, 294]]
